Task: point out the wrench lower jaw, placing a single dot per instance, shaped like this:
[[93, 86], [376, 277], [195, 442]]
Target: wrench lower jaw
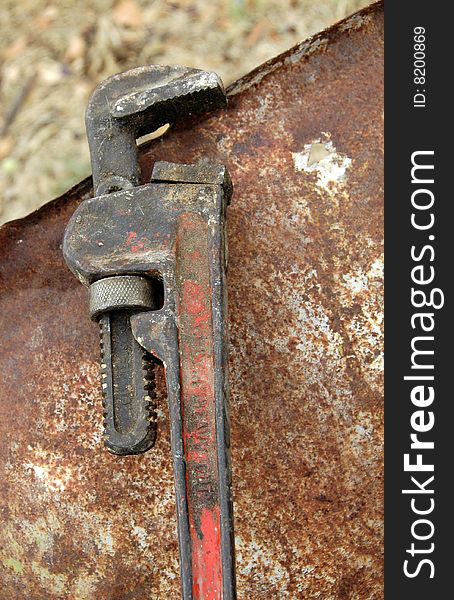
[[123, 447], [135, 442], [128, 384]]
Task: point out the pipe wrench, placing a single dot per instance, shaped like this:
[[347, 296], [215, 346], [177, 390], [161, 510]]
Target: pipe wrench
[[154, 259]]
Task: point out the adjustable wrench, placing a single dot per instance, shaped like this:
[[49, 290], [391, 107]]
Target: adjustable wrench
[[154, 259]]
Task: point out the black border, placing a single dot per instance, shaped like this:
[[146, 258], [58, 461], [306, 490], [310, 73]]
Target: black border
[[409, 129]]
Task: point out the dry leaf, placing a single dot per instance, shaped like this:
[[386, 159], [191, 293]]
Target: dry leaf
[[50, 72], [15, 49], [128, 13], [76, 48], [47, 17], [256, 33], [6, 145]]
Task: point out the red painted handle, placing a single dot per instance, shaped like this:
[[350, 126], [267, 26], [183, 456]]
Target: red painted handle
[[195, 325]]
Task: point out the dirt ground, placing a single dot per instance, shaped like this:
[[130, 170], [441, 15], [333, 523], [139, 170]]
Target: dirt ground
[[52, 55]]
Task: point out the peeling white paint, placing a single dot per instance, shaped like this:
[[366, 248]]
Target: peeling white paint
[[141, 535], [52, 482], [376, 270], [85, 586], [355, 22], [356, 283], [105, 539], [330, 169]]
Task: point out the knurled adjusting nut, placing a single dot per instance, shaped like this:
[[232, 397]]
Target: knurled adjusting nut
[[122, 292]]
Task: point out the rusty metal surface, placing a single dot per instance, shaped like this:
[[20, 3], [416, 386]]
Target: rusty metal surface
[[302, 139]]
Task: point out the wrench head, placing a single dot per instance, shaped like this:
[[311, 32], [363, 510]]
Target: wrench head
[[131, 104], [156, 94], [175, 93]]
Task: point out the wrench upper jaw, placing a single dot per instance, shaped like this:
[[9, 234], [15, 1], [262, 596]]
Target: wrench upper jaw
[[128, 105], [193, 91]]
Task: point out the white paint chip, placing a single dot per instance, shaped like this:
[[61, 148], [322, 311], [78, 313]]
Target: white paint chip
[[322, 158]]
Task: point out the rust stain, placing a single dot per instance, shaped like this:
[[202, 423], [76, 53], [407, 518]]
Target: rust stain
[[134, 243], [305, 301]]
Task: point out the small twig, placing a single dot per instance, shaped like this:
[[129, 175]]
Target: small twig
[[19, 99]]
